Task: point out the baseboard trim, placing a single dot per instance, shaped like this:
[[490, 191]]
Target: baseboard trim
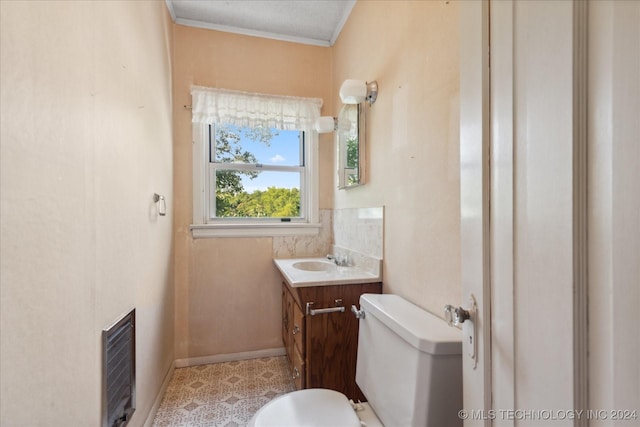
[[160, 396], [229, 357]]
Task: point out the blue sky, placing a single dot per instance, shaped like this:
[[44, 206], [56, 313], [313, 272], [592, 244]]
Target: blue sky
[[283, 150]]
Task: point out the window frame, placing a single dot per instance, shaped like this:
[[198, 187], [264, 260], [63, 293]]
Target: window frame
[[204, 225], [213, 167]]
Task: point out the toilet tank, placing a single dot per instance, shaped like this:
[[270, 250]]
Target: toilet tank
[[409, 364]]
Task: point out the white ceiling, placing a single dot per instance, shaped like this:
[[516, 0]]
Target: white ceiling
[[316, 22]]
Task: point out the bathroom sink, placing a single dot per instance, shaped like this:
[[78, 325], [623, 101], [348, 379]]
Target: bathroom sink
[[319, 271], [314, 266]]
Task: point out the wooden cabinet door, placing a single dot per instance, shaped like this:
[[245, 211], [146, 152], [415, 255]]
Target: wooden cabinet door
[[287, 322], [298, 370], [293, 333], [298, 329], [322, 348], [332, 344]]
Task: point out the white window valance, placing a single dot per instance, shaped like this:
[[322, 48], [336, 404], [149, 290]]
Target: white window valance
[[211, 105]]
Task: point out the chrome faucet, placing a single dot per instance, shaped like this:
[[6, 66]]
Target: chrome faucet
[[340, 261]]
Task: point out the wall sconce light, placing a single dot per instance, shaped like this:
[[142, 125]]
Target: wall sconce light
[[327, 124], [357, 91]]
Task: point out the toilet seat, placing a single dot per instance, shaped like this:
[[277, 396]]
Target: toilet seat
[[309, 408]]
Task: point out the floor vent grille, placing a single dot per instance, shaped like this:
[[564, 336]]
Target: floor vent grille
[[119, 371]]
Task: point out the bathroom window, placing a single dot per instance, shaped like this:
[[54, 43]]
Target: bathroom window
[[254, 175]]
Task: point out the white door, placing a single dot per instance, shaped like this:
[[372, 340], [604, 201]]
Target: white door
[[523, 211], [537, 203]]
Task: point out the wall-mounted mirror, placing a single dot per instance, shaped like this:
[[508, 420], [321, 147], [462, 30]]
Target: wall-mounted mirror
[[351, 145]]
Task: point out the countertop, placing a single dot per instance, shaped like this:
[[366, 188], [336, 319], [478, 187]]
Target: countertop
[[334, 275]]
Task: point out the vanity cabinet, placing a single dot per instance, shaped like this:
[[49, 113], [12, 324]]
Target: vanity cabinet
[[322, 342], [293, 332]]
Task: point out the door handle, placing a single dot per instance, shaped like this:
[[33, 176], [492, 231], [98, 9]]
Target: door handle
[[455, 315], [467, 318]]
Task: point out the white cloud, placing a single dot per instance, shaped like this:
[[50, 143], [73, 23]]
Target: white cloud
[[277, 159]]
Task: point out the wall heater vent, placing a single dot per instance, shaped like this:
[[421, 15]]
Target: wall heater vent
[[119, 371]]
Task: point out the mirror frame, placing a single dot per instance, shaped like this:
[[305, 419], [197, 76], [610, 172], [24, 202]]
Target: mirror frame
[[341, 142]]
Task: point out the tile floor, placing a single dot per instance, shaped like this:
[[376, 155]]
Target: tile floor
[[222, 394]]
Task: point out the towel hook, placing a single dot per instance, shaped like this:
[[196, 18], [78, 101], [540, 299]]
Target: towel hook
[[162, 205]]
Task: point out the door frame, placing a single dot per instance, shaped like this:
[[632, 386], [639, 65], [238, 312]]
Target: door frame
[[474, 208]]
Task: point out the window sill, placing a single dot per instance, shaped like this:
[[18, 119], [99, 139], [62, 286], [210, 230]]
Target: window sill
[[205, 231]]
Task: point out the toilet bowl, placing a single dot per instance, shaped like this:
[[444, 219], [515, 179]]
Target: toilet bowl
[[314, 407], [409, 366]]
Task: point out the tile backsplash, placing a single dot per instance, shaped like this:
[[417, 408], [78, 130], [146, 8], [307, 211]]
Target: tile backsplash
[[355, 233], [306, 246], [359, 230], [358, 235]]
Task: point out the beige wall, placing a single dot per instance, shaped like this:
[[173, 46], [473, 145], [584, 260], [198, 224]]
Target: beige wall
[[223, 307], [85, 142], [227, 289], [81, 242], [411, 49]]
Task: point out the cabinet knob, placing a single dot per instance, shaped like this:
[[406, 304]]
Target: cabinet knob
[[296, 373], [295, 330]]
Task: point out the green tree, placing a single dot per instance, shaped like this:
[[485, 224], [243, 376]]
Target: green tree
[[272, 203], [228, 149], [352, 158], [231, 198]]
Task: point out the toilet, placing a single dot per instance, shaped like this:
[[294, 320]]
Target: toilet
[[409, 367]]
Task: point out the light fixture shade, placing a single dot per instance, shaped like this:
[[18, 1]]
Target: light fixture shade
[[325, 124], [343, 125], [353, 91]]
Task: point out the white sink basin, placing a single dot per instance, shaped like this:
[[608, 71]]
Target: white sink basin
[[319, 271], [314, 266]]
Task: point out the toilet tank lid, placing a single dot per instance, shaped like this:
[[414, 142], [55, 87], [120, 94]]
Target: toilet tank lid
[[421, 329]]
